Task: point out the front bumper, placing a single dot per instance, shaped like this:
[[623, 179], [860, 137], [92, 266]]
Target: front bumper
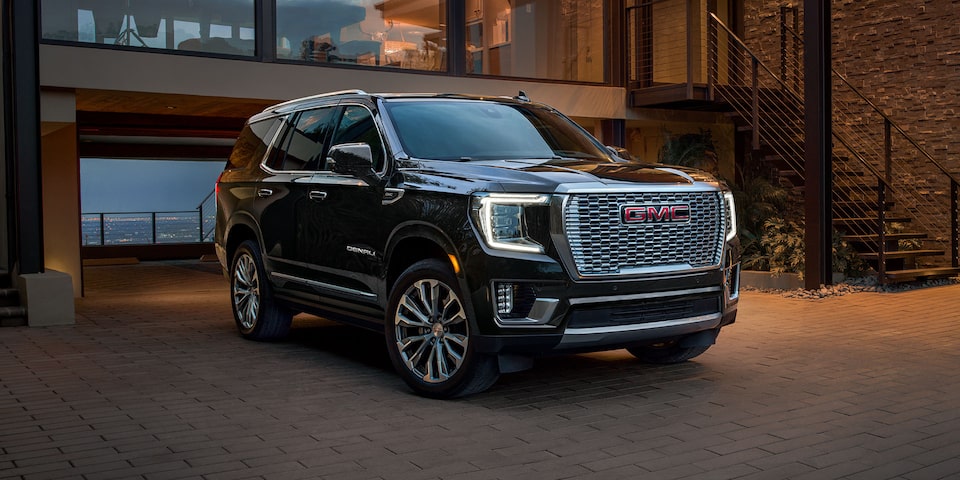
[[578, 316]]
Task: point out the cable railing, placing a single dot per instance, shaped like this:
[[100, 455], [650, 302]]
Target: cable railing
[[873, 168], [150, 228]]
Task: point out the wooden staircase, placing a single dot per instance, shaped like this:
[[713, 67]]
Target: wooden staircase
[[896, 257], [903, 233]]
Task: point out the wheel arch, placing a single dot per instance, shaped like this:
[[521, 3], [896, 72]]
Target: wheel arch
[[416, 241], [240, 229]]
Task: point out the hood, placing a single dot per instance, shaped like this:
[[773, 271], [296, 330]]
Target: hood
[[546, 175]]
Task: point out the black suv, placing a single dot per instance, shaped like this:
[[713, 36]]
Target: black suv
[[475, 232]]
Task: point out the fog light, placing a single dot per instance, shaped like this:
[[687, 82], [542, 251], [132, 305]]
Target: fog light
[[731, 277], [514, 300], [504, 299]]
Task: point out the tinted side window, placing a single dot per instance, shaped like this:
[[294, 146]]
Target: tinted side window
[[357, 126], [306, 149], [252, 143]]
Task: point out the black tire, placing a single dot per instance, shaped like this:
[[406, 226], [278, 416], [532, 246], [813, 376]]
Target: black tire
[[254, 310], [428, 332], [666, 353]]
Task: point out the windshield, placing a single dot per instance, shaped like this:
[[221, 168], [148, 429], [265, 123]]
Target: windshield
[[463, 130]]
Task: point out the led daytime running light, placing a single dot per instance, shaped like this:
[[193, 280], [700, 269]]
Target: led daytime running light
[[486, 214], [732, 215]]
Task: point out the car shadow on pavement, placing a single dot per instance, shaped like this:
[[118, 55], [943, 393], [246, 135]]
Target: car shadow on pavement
[[553, 380], [351, 343]]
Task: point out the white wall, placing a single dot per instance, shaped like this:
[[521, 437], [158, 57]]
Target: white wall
[[104, 69]]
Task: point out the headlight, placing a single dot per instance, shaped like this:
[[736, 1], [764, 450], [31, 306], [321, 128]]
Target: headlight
[[731, 216], [502, 220]]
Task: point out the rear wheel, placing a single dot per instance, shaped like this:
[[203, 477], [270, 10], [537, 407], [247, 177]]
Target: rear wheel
[[428, 334], [256, 314], [667, 353]]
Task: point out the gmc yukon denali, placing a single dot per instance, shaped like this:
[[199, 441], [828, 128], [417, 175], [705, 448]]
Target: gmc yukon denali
[[475, 233]]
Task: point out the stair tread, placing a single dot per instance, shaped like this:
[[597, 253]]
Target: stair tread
[[860, 203], [889, 236], [14, 311], [923, 272], [873, 219], [903, 254]]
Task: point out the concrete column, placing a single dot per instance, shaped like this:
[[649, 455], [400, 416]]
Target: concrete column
[[49, 295], [60, 166]]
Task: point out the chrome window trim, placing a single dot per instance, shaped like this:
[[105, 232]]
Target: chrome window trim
[[285, 116]]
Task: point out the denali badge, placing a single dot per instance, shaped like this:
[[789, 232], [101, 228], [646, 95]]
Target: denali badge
[[654, 213]]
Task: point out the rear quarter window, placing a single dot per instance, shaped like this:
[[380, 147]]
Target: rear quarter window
[[252, 144]]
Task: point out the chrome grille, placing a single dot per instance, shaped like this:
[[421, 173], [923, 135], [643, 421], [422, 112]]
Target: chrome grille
[[602, 245]]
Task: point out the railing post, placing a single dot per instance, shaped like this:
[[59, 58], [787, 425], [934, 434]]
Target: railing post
[[954, 226], [783, 43], [755, 99], [881, 233], [887, 151], [691, 44], [200, 210], [713, 52], [153, 226], [102, 234]]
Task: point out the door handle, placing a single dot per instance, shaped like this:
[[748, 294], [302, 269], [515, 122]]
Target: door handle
[[317, 195], [264, 192]]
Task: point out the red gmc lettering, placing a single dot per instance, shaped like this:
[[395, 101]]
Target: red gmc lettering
[[653, 213]]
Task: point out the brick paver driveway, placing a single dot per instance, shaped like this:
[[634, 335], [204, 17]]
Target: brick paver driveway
[[153, 382]]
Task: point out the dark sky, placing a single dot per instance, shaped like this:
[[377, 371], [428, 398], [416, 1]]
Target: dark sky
[[113, 186]]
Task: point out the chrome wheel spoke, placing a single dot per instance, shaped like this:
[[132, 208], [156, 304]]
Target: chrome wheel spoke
[[412, 306], [413, 360], [437, 368], [456, 339]]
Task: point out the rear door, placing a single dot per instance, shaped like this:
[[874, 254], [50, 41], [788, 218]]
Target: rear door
[[284, 189]]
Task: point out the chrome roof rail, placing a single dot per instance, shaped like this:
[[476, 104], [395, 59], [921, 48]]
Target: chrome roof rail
[[295, 101]]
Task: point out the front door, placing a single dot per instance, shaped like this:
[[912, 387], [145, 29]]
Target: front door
[[339, 229]]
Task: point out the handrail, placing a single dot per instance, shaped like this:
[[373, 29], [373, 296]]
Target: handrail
[[798, 99], [886, 117], [212, 192]]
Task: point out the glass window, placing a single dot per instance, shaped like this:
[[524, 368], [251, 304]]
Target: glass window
[[472, 130], [409, 34], [308, 139], [252, 143], [213, 26], [548, 39], [357, 126]]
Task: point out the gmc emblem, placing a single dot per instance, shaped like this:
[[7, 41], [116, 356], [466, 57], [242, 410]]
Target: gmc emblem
[[655, 213]]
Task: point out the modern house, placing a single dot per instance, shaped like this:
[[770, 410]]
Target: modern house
[[175, 79]]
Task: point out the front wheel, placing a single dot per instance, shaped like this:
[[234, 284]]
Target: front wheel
[[667, 353], [256, 314], [428, 335]]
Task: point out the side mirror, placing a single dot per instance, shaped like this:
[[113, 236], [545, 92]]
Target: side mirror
[[355, 159], [620, 153]]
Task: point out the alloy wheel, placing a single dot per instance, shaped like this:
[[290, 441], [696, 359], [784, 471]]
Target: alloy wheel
[[246, 291], [430, 330]]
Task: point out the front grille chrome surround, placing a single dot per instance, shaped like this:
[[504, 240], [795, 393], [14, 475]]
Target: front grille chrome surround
[[601, 245]]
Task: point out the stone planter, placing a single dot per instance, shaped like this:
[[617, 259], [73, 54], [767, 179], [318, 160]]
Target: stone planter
[[783, 281], [770, 281]]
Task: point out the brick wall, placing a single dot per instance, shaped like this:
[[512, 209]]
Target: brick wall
[[905, 55]]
